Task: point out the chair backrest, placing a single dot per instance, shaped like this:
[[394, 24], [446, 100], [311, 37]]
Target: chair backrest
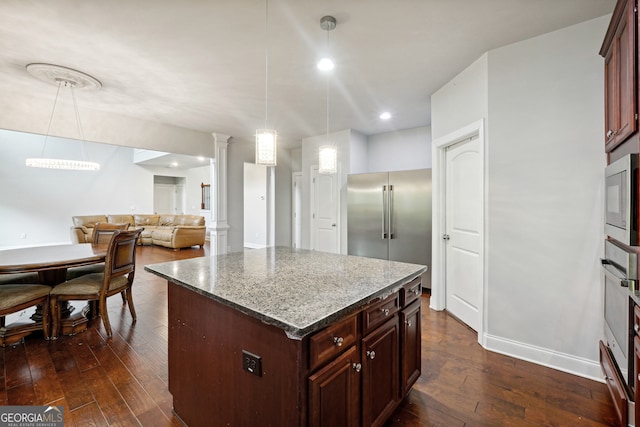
[[121, 255], [103, 231]]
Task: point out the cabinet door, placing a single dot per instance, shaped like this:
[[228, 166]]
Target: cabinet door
[[614, 383], [334, 392], [620, 80], [380, 373], [410, 346]]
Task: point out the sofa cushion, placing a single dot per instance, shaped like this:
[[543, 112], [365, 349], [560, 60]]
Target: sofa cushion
[[190, 220], [146, 220], [120, 219], [163, 234], [88, 220]]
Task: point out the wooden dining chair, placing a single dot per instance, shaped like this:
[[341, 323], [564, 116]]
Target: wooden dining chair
[[102, 233], [18, 297], [117, 277]]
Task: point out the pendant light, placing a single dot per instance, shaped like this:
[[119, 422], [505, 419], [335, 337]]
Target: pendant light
[[328, 154], [266, 139], [69, 78]]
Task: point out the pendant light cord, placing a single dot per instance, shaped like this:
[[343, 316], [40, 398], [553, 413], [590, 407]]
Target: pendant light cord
[[78, 122], [53, 110], [327, 89], [266, 63]]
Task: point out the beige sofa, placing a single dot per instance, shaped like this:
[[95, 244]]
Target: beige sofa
[[171, 231]]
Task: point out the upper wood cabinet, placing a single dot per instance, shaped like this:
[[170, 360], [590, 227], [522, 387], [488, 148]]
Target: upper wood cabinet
[[619, 50]]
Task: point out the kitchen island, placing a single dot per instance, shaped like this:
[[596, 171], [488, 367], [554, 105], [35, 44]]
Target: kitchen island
[[282, 336]]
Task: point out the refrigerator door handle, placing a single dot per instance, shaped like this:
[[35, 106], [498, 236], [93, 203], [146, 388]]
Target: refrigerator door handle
[[384, 205], [390, 211]]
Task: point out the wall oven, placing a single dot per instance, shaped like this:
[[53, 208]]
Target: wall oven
[[620, 278], [621, 194]]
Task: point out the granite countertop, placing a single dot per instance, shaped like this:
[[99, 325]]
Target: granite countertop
[[299, 291]]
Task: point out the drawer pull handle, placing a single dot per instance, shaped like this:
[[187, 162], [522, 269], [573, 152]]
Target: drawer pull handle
[[371, 354], [357, 367], [337, 341], [385, 311], [417, 292], [408, 322]]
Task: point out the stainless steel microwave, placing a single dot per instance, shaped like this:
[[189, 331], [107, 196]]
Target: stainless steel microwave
[[621, 193]]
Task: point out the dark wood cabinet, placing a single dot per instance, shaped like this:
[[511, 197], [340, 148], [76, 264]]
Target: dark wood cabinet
[[364, 384], [620, 52], [334, 392], [614, 381], [380, 373], [410, 342], [353, 372]]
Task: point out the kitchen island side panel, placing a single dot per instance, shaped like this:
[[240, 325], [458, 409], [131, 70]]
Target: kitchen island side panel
[[206, 376]]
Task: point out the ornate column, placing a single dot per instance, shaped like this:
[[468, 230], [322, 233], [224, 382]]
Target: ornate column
[[218, 227]]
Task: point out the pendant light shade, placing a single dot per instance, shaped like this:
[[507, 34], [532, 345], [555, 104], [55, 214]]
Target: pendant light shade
[[328, 159], [266, 147], [67, 78]]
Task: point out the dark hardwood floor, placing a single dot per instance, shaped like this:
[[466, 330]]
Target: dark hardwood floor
[[123, 381]]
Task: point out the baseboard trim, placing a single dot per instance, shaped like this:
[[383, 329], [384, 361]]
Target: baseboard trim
[[254, 245], [542, 356]]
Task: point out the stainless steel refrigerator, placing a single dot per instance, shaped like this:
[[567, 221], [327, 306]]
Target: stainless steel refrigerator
[[389, 217]]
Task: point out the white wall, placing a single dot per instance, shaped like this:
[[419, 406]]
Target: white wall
[[399, 150], [462, 101], [359, 154], [41, 202], [543, 104]]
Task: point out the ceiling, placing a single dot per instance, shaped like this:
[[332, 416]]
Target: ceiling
[[200, 64]]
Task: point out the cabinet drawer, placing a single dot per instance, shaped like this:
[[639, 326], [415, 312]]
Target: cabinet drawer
[[636, 319], [410, 292], [330, 342], [614, 383], [379, 311]]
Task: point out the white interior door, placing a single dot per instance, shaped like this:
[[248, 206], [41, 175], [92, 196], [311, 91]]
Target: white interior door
[[463, 230], [296, 209], [181, 198], [164, 199], [324, 212]]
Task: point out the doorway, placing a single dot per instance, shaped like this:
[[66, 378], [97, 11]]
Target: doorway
[[259, 206], [325, 205], [458, 269], [168, 195], [296, 209]]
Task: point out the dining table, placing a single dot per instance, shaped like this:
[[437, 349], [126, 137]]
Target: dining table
[[51, 263]]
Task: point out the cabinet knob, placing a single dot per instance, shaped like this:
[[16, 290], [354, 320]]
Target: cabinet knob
[[385, 311], [337, 341], [636, 327], [408, 322], [357, 367], [609, 133], [417, 291], [371, 354]]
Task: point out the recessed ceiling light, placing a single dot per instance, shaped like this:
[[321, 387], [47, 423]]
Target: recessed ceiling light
[[385, 116], [325, 64]]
